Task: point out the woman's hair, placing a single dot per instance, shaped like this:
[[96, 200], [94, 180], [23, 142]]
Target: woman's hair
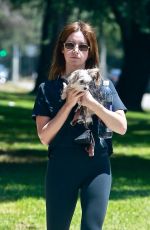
[[58, 61]]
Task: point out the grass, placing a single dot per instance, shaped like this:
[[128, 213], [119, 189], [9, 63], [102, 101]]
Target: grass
[[23, 163]]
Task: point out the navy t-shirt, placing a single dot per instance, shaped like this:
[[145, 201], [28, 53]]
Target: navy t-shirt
[[48, 102]]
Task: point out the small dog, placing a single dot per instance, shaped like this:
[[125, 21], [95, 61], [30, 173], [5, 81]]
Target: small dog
[[82, 80]]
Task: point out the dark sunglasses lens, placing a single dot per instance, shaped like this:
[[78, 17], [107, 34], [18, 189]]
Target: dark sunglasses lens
[[83, 47], [69, 45]]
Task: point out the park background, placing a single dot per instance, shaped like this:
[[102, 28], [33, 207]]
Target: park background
[[27, 36]]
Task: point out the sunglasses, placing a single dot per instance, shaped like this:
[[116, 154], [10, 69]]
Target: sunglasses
[[71, 46]]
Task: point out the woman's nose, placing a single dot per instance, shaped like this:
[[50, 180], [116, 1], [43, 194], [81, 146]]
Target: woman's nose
[[76, 49]]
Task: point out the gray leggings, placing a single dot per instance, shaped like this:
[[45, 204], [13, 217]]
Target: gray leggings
[[63, 183]]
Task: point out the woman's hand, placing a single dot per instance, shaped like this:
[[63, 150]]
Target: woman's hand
[[73, 96], [87, 99]]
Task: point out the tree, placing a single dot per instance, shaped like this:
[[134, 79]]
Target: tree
[[55, 16], [133, 18]]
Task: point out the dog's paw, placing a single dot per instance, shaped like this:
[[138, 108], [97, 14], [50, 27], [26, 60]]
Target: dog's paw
[[88, 120]]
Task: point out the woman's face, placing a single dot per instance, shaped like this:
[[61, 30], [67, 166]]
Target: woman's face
[[75, 58]]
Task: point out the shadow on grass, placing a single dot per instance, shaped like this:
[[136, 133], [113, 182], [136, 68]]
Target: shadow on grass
[[26, 179], [13, 115], [130, 177], [22, 174], [14, 96], [16, 125], [26, 153], [138, 133]]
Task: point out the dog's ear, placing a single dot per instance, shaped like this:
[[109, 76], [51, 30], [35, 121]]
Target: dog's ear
[[95, 74]]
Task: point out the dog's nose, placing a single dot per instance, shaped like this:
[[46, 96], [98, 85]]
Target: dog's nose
[[85, 88]]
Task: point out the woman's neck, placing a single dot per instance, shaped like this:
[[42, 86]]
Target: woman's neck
[[69, 70]]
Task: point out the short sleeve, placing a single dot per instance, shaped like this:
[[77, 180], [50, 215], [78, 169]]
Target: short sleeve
[[41, 105], [117, 103]]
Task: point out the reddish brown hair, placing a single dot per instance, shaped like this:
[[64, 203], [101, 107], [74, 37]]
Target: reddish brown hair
[[58, 61]]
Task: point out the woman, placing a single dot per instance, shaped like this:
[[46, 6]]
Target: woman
[[70, 169]]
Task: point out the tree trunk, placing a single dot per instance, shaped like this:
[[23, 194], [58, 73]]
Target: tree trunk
[[44, 59], [52, 23], [136, 69], [136, 64]]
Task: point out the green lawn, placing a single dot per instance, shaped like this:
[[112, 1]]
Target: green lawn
[[23, 163]]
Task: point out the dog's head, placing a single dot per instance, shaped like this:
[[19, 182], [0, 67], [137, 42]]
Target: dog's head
[[80, 79]]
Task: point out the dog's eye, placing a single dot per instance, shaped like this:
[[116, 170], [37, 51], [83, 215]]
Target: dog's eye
[[81, 81]]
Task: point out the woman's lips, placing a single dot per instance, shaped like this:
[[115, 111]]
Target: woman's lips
[[74, 57]]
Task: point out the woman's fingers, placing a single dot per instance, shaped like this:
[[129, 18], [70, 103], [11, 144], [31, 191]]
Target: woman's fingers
[[73, 96], [76, 93]]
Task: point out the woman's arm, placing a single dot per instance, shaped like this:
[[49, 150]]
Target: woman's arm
[[116, 121], [47, 128]]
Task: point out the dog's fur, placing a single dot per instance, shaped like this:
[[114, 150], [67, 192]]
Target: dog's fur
[[80, 80], [83, 79]]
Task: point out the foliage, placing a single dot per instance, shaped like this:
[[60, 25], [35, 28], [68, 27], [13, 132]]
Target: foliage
[[129, 12], [20, 25]]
